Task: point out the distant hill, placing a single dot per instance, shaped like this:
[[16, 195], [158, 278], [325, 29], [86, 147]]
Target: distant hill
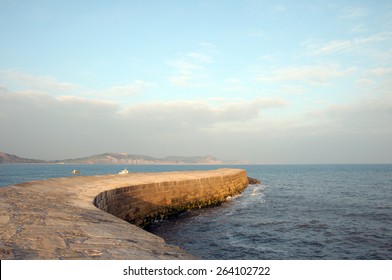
[[7, 158], [123, 158]]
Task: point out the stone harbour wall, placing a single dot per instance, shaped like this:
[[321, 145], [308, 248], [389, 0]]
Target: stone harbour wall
[[90, 217], [142, 203]]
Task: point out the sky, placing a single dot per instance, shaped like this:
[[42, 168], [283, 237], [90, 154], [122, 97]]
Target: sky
[[270, 82]]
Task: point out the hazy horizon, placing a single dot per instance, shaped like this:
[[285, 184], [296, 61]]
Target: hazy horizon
[[268, 82], [225, 161]]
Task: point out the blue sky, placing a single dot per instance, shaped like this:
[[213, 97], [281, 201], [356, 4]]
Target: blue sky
[[261, 81]]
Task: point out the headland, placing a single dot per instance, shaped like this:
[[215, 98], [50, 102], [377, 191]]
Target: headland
[[99, 217]]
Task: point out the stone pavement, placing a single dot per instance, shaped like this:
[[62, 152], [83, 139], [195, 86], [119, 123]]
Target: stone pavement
[[57, 219]]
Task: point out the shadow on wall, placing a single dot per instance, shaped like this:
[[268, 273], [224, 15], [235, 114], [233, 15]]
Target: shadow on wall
[[142, 204]]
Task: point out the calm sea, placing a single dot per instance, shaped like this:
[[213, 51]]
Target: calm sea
[[298, 212]]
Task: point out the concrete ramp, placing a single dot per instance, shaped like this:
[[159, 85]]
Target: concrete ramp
[[89, 217]]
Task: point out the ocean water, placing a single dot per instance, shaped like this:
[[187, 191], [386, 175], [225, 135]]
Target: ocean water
[[18, 173], [297, 212]]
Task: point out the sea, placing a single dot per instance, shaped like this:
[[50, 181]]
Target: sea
[[302, 212]]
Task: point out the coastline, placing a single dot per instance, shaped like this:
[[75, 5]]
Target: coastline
[[57, 218]]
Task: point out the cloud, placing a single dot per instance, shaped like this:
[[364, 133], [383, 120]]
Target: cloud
[[182, 80], [127, 90], [359, 28], [47, 84], [184, 66], [312, 74], [336, 46], [43, 83], [46, 126], [35, 104], [235, 88], [354, 12], [369, 115], [245, 110], [198, 114], [209, 47], [41, 125], [35, 122], [190, 69], [53, 127], [352, 132], [234, 85], [364, 118], [200, 57], [375, 38], [187, 74], [381, 71], [374, 78], [75, 103], [364, 83]]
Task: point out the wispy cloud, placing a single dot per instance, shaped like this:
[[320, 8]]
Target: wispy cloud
[[236, 88], [135, 88], [208, 47], [44, 83], [375, 38], [335, 46], [200, 57], [359, 28], [182, 80], [312, 74], [234, 85], [354, 12], [190, 69]]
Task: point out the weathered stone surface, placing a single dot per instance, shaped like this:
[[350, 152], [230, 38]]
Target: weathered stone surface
[[84, 217], [253, 181]]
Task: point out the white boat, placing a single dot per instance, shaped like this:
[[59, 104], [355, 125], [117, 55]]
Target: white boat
[[125, 171], [75, 171]]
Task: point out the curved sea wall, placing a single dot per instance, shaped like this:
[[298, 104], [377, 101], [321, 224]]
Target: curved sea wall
[[89, 217], [143, 203]]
